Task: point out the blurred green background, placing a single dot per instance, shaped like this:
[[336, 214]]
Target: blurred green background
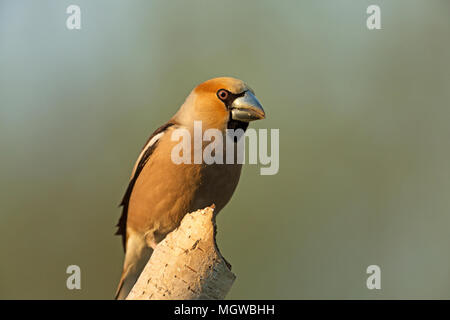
[[364, 127]]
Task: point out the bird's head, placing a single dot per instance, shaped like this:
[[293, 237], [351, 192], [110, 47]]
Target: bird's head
[[221, 103]]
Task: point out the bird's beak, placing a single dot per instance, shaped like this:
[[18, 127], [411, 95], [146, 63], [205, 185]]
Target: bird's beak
[[247, 108]]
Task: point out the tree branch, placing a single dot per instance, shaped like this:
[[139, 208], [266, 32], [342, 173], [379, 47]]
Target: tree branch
[[187, 264]]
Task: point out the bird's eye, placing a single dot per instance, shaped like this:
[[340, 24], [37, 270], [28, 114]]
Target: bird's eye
[[222, 94]]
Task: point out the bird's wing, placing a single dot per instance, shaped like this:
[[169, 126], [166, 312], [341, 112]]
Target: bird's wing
[[146, 152]]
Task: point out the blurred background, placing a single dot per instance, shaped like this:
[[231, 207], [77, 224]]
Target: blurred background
[[364, 140]]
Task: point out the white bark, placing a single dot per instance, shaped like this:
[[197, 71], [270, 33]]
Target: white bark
[[187, 264]]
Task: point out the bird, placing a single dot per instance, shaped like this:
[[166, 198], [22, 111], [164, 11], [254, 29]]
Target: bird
[[160, 192]]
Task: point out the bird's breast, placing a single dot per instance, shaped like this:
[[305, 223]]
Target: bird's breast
[[165, 191]]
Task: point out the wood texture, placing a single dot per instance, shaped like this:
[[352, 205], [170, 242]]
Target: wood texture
[[187, 264]]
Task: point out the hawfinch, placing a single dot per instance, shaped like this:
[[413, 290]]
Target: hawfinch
[[161, 192]]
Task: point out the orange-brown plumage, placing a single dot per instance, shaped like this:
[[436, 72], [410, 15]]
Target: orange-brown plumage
[[162, 192]]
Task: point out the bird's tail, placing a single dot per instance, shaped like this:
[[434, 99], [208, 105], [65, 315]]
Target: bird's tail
[[136, 257]]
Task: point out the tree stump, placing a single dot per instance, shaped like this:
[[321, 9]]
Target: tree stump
[[187, 264]]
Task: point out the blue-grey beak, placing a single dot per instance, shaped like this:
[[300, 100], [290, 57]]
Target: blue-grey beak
[[247, 108]]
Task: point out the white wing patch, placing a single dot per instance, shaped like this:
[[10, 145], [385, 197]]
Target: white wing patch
[[148, 145]]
